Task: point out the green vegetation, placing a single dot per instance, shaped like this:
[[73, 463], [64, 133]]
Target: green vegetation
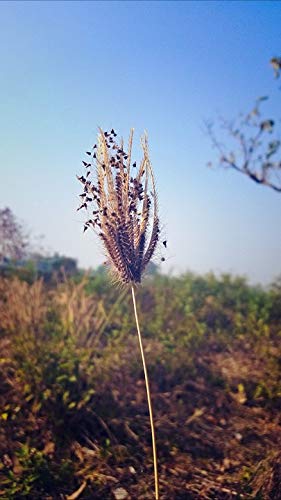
[[73, 406]]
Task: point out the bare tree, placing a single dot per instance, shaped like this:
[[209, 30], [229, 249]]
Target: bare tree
[[253, 143], [13, 241]]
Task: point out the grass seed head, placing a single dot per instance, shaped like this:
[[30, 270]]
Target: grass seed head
[[126, 208]]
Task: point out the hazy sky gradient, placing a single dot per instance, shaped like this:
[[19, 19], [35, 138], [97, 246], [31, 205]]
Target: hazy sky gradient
[[68, 67]]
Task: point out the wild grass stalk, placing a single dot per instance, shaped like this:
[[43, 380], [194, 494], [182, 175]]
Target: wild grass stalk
[[121, 201]]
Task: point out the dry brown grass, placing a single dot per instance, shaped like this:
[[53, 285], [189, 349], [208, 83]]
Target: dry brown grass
[[22, 306]]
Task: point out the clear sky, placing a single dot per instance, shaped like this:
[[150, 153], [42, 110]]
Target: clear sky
[[69, 67]]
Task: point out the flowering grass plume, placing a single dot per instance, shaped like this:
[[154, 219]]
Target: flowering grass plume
[[124, 213], [123, 202]]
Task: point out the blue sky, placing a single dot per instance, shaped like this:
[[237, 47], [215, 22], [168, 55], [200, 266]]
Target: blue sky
[[69, 67]]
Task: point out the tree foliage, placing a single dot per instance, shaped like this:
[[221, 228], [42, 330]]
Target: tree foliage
[[13, 240]]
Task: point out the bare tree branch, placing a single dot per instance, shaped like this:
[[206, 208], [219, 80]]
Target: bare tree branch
[[253, 143]]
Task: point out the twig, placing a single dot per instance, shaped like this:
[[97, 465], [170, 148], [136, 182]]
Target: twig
[[78, 492]]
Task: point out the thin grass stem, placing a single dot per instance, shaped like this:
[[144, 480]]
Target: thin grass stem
[[156, 480]]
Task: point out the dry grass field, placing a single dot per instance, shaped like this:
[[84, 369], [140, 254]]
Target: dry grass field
[[74, 418]]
